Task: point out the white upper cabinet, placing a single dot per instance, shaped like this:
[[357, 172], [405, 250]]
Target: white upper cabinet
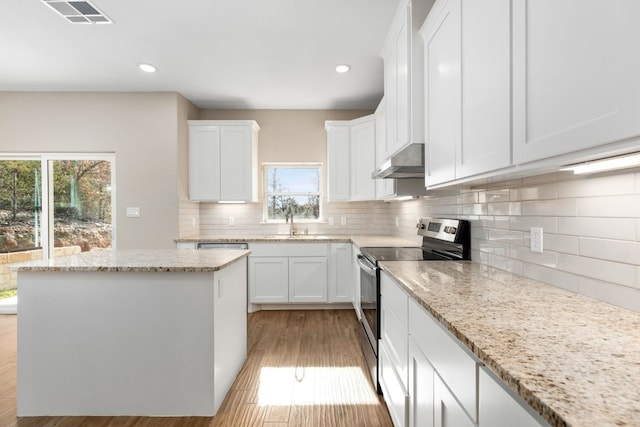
[[363, 158], [576, 75], [384, 187], [485, 143], [351, 158], [338, 161], [441, 34], [223, 160], [403, 88], [467, 88]]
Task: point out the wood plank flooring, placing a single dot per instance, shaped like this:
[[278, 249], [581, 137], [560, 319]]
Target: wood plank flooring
[[304, 368]]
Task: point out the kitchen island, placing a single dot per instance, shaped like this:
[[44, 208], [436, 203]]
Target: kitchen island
[[138, 332]]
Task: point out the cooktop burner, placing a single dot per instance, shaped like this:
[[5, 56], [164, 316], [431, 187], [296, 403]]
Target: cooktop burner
[[402, 254]]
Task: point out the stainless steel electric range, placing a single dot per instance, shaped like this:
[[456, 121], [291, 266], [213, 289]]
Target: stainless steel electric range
[[442, 240]]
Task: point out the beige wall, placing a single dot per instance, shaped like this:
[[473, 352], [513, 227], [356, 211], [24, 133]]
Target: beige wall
[[143, 131]]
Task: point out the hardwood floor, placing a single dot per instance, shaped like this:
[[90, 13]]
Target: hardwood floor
[[304, 368]]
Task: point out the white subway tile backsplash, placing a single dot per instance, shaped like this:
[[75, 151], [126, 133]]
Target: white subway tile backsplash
[[494, 196], [553, 276], [524, 223], [608, 271], [612, 250], [559, 243], [610, 206], [596, 185], [622, 296], [605, 228], [535, 192], [505, 208], [591, 227], [559, 207]]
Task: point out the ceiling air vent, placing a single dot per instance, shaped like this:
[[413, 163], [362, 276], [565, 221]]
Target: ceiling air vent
[[78, 12]]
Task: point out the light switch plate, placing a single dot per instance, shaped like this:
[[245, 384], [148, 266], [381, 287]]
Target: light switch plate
[[133, 212]]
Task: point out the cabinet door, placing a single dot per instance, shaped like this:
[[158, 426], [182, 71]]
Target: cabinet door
[[420, 388], [448, 412], [441, 34], [204, 163], [340, 273], [268, 279], [499, 408], [394, 324], [236, 167], [338, 163], [363, 160], [308, 279], [576, 76], [391, 101], [384, 187], [394, 391], [485, 143]]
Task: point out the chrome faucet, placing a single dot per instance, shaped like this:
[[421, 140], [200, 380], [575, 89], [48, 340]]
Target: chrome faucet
[[289, 214]]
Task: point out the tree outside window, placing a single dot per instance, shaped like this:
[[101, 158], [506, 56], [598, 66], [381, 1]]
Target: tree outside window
[[292, 189]]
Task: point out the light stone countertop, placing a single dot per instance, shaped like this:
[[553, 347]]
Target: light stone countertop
[[135, 260], [574, 359], [358, 240]]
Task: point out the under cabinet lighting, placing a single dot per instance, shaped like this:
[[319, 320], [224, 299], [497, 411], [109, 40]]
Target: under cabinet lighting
[[609, 164], [229, 202]]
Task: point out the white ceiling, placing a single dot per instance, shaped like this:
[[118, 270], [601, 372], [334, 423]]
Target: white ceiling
[[254, 54]]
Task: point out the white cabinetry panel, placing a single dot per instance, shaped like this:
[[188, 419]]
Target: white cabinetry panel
[[341, 277], [308, 279], [223, 156], [442, 90], [575, 75], [268, 279]]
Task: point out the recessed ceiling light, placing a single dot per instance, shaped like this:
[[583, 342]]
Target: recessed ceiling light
[[147, 68], [342, 68]]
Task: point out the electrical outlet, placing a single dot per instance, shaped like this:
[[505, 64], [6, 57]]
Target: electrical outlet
[[397, 222], [232, 221], [536, 239], [343, 220], [330, 220]]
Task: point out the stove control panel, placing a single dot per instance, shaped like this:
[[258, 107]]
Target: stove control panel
[[450, 230]]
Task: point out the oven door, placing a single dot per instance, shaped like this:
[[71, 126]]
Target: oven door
[[369, 292], [369, 297]]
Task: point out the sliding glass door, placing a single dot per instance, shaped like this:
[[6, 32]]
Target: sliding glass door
[[53, 205]]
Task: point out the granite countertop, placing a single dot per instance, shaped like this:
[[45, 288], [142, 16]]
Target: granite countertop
[[358, 240], [167, 260], [574, 359]]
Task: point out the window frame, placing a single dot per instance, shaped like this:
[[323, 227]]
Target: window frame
[[266, 193]]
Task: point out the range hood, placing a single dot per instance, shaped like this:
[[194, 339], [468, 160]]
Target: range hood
[[408, 162]]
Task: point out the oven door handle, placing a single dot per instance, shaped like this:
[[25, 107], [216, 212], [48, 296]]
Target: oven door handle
[[366, 266]]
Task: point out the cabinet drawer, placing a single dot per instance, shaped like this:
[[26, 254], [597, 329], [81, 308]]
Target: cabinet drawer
[[394, 392], [455, 364], [289, 249]]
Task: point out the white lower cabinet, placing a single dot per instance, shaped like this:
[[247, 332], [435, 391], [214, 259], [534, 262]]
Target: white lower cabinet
[[448, 412], [393, 348], [421, 373], [268, 279], [288, 273], [500, 407], [356, 281], [393, 389], [340, 280], [308, 279]]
